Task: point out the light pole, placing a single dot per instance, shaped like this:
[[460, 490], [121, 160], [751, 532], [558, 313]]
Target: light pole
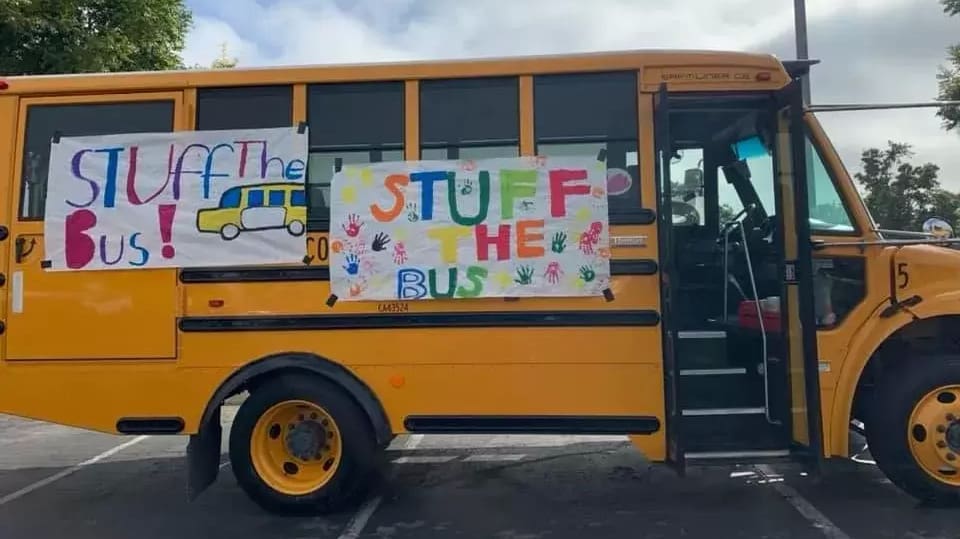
[[800, 30]]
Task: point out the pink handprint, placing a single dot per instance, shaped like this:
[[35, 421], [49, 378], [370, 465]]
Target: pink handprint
[[353, 226], [586, 244], [553, 272], [399, 253]]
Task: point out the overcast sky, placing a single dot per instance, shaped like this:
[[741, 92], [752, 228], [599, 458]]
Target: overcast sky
[[871, 50]]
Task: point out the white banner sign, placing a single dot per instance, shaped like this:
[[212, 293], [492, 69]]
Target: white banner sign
[[509, 227], [188, 198]]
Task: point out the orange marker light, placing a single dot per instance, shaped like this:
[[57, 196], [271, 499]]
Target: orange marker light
[[4, 85], [215, 303], [763, 76], [397, 380]]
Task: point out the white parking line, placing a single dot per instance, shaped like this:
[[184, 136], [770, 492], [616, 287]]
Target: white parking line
[[493, 458], [355, 527], [805, 508], [69, 471], [422, 460]]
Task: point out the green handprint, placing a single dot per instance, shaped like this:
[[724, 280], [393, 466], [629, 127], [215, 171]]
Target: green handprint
[[467, 188], [524, 275], [559, 242], [587, 274]]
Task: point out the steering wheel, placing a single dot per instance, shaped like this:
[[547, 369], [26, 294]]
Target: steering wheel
[[687, 213]]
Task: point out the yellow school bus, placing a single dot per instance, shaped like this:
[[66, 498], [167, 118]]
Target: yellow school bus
[[756, 311]]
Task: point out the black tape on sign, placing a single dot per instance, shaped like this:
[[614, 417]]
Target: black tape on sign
[[332, 300], [46, 264], [302, 127], [608, 294], [56, 137], [602, 155]]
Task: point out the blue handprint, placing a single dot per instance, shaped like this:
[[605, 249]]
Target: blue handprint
[[353, 264]]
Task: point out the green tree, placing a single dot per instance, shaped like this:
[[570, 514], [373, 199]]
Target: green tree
[[901, 195], [948, 79], [84, 36]]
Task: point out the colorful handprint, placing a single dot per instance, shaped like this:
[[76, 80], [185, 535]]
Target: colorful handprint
[[380, 241], [591, 237], [353, 225], [587, 274], [559, 242], [399, 253], [352, 266], [524, 275], [553, 272]]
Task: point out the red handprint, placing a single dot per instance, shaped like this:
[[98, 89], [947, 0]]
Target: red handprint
[[353, 226], [586, 244], [591, 237], [399, 253], [553, 272]]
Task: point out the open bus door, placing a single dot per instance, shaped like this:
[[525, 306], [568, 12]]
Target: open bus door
[[736, 390], [664, 153], [797, 272]]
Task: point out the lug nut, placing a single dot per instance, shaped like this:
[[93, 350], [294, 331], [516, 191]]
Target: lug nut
[[941, 429], [941, 444], [951, 456]]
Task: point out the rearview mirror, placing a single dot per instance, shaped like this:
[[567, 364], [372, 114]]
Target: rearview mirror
[[693, 178], [938, 228]]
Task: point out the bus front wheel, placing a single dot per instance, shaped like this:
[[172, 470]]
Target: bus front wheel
[[299, 444], [913, 428]]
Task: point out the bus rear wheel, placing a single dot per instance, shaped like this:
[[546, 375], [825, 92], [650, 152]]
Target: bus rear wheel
[[913, 429], [299, 444]]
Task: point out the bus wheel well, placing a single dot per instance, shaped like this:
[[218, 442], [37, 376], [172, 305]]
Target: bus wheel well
[[203, 449], [255, 373], [935, 336]]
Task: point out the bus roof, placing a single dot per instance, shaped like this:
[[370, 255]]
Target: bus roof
[[409, 70]]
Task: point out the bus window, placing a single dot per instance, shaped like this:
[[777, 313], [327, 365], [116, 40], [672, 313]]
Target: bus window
[[828, 214], [350, 123], [255, 107], [298, 198], [255, 198], [592, 114], [276, 198], [79, 120], [470, 118]]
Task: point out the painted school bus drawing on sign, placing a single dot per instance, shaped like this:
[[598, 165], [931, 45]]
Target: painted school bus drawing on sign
[[256, 207], [713, 339]]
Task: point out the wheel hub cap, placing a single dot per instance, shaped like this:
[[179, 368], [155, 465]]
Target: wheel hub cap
[[953, 436], [306, 439]]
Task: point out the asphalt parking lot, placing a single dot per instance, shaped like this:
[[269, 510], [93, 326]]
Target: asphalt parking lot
[[61, 482]]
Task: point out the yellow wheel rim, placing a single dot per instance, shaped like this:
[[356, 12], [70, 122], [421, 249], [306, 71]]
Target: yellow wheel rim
[[934, 434], [296, 447]]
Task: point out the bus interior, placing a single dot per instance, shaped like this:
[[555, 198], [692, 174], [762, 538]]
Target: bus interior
[[726, 287]]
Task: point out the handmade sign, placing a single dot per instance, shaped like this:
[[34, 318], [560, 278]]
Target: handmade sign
[[188, 198], [467, 229]]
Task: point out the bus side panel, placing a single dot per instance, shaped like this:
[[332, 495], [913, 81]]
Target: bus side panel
[[83, 315], [578, 371], [8, 131]]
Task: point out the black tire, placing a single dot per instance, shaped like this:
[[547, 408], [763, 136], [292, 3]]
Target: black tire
[[897, 393], [358, 467]]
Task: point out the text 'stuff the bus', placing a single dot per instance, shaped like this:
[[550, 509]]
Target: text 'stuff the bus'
[[205, 198], [504, 227]]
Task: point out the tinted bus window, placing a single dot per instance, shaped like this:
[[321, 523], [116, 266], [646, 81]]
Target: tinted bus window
[[470, 118], [255, 107], [350, 123], [593, 114], [88, 119]]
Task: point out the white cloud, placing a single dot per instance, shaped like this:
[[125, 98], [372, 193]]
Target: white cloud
[[872, 50]]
